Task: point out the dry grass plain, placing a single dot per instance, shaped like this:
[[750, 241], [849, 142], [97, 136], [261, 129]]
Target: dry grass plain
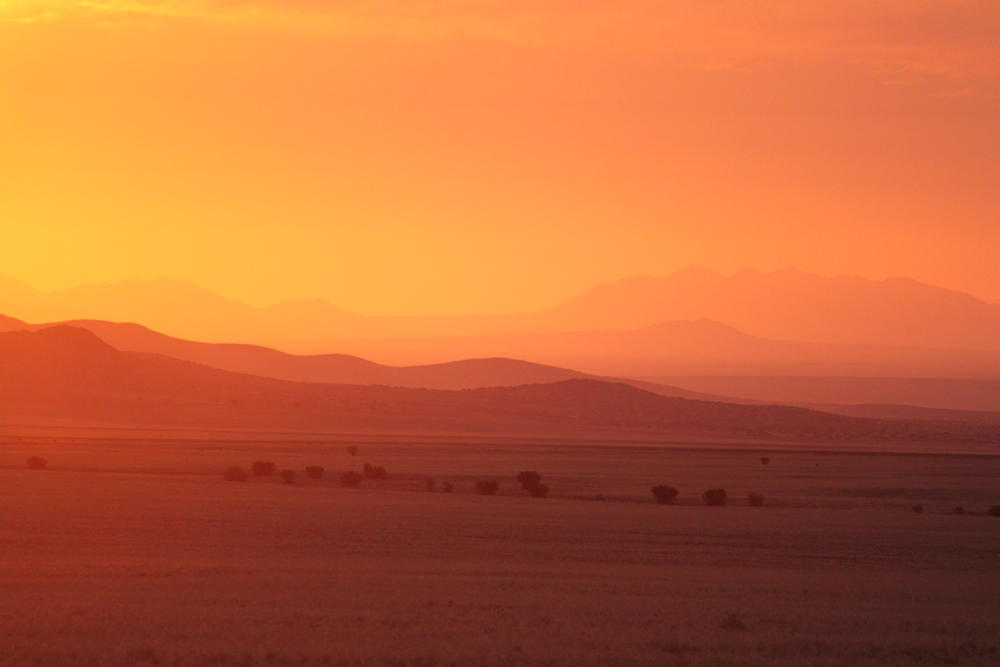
[[135, 552]]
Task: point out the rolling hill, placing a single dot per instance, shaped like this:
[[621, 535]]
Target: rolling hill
[[336, 368], [67, 372]]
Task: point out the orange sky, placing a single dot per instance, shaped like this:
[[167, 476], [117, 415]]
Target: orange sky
[[427, 156]]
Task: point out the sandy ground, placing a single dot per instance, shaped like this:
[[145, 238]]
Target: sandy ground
[[138, 553]]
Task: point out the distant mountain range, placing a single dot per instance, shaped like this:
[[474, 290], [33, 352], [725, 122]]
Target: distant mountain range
[[784, 305], [67, 372]]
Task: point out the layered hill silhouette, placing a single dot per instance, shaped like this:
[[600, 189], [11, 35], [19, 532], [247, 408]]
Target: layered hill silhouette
[[335, 368], [701, 347], [68, 372], [784, 305]]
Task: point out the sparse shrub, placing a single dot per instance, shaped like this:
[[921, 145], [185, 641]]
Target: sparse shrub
[[375, 472], [994, 510], [264, 468], [531, 482], [764, 460], [958, 510], [288, 476], [538, 491], [315, 472], [665, 495], [715, 497], [447, 487], [37, 463], [528, 478], [234, 474], [351, 479], [918, 508], [755, 499], [430, 486], [487, 487], [732, 622], [352, 450]]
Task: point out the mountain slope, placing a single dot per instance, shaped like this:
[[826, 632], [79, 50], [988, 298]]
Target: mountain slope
[[338, 368], [68, 372]]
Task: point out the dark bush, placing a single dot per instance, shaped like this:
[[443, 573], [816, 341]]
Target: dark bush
[[715, 497], [447, 487], [958, 510], [538, 491], [234, 474], [918, 508], [430, 485], [315, 472], [994, 510], [528, 478], [755, 499], [352, 450], [375, 472], [665, 495], [764, 460], [37, 463], [487, 487], [288, 476], [732, 622], [264, 468], [350, 478]]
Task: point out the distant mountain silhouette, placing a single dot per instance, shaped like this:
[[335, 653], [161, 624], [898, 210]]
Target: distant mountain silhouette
[[792, 305], [337, 368], [785, 305], [67, 372]]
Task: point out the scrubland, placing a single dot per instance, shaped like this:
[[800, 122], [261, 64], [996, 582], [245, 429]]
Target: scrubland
[[137, 552]]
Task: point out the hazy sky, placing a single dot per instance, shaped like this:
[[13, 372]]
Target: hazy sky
[[444, 156]]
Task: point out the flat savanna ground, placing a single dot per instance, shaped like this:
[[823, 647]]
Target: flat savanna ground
[[136, 552]]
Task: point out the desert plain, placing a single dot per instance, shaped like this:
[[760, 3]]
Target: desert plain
[[131, 549]]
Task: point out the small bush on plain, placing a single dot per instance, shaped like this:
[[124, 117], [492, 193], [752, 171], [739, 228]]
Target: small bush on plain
[[538, 491], [375, 472], [918, 508], [764, 460], [528, 478], [755, 499], [352, 450], [429, 485], [487, 487], [994, 510], [351, 479], [715, 497], [665, 495], [315, 472], [37, 463], [732, 622], [447, 487], [958, 510], [264, 468], [288, 476]]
